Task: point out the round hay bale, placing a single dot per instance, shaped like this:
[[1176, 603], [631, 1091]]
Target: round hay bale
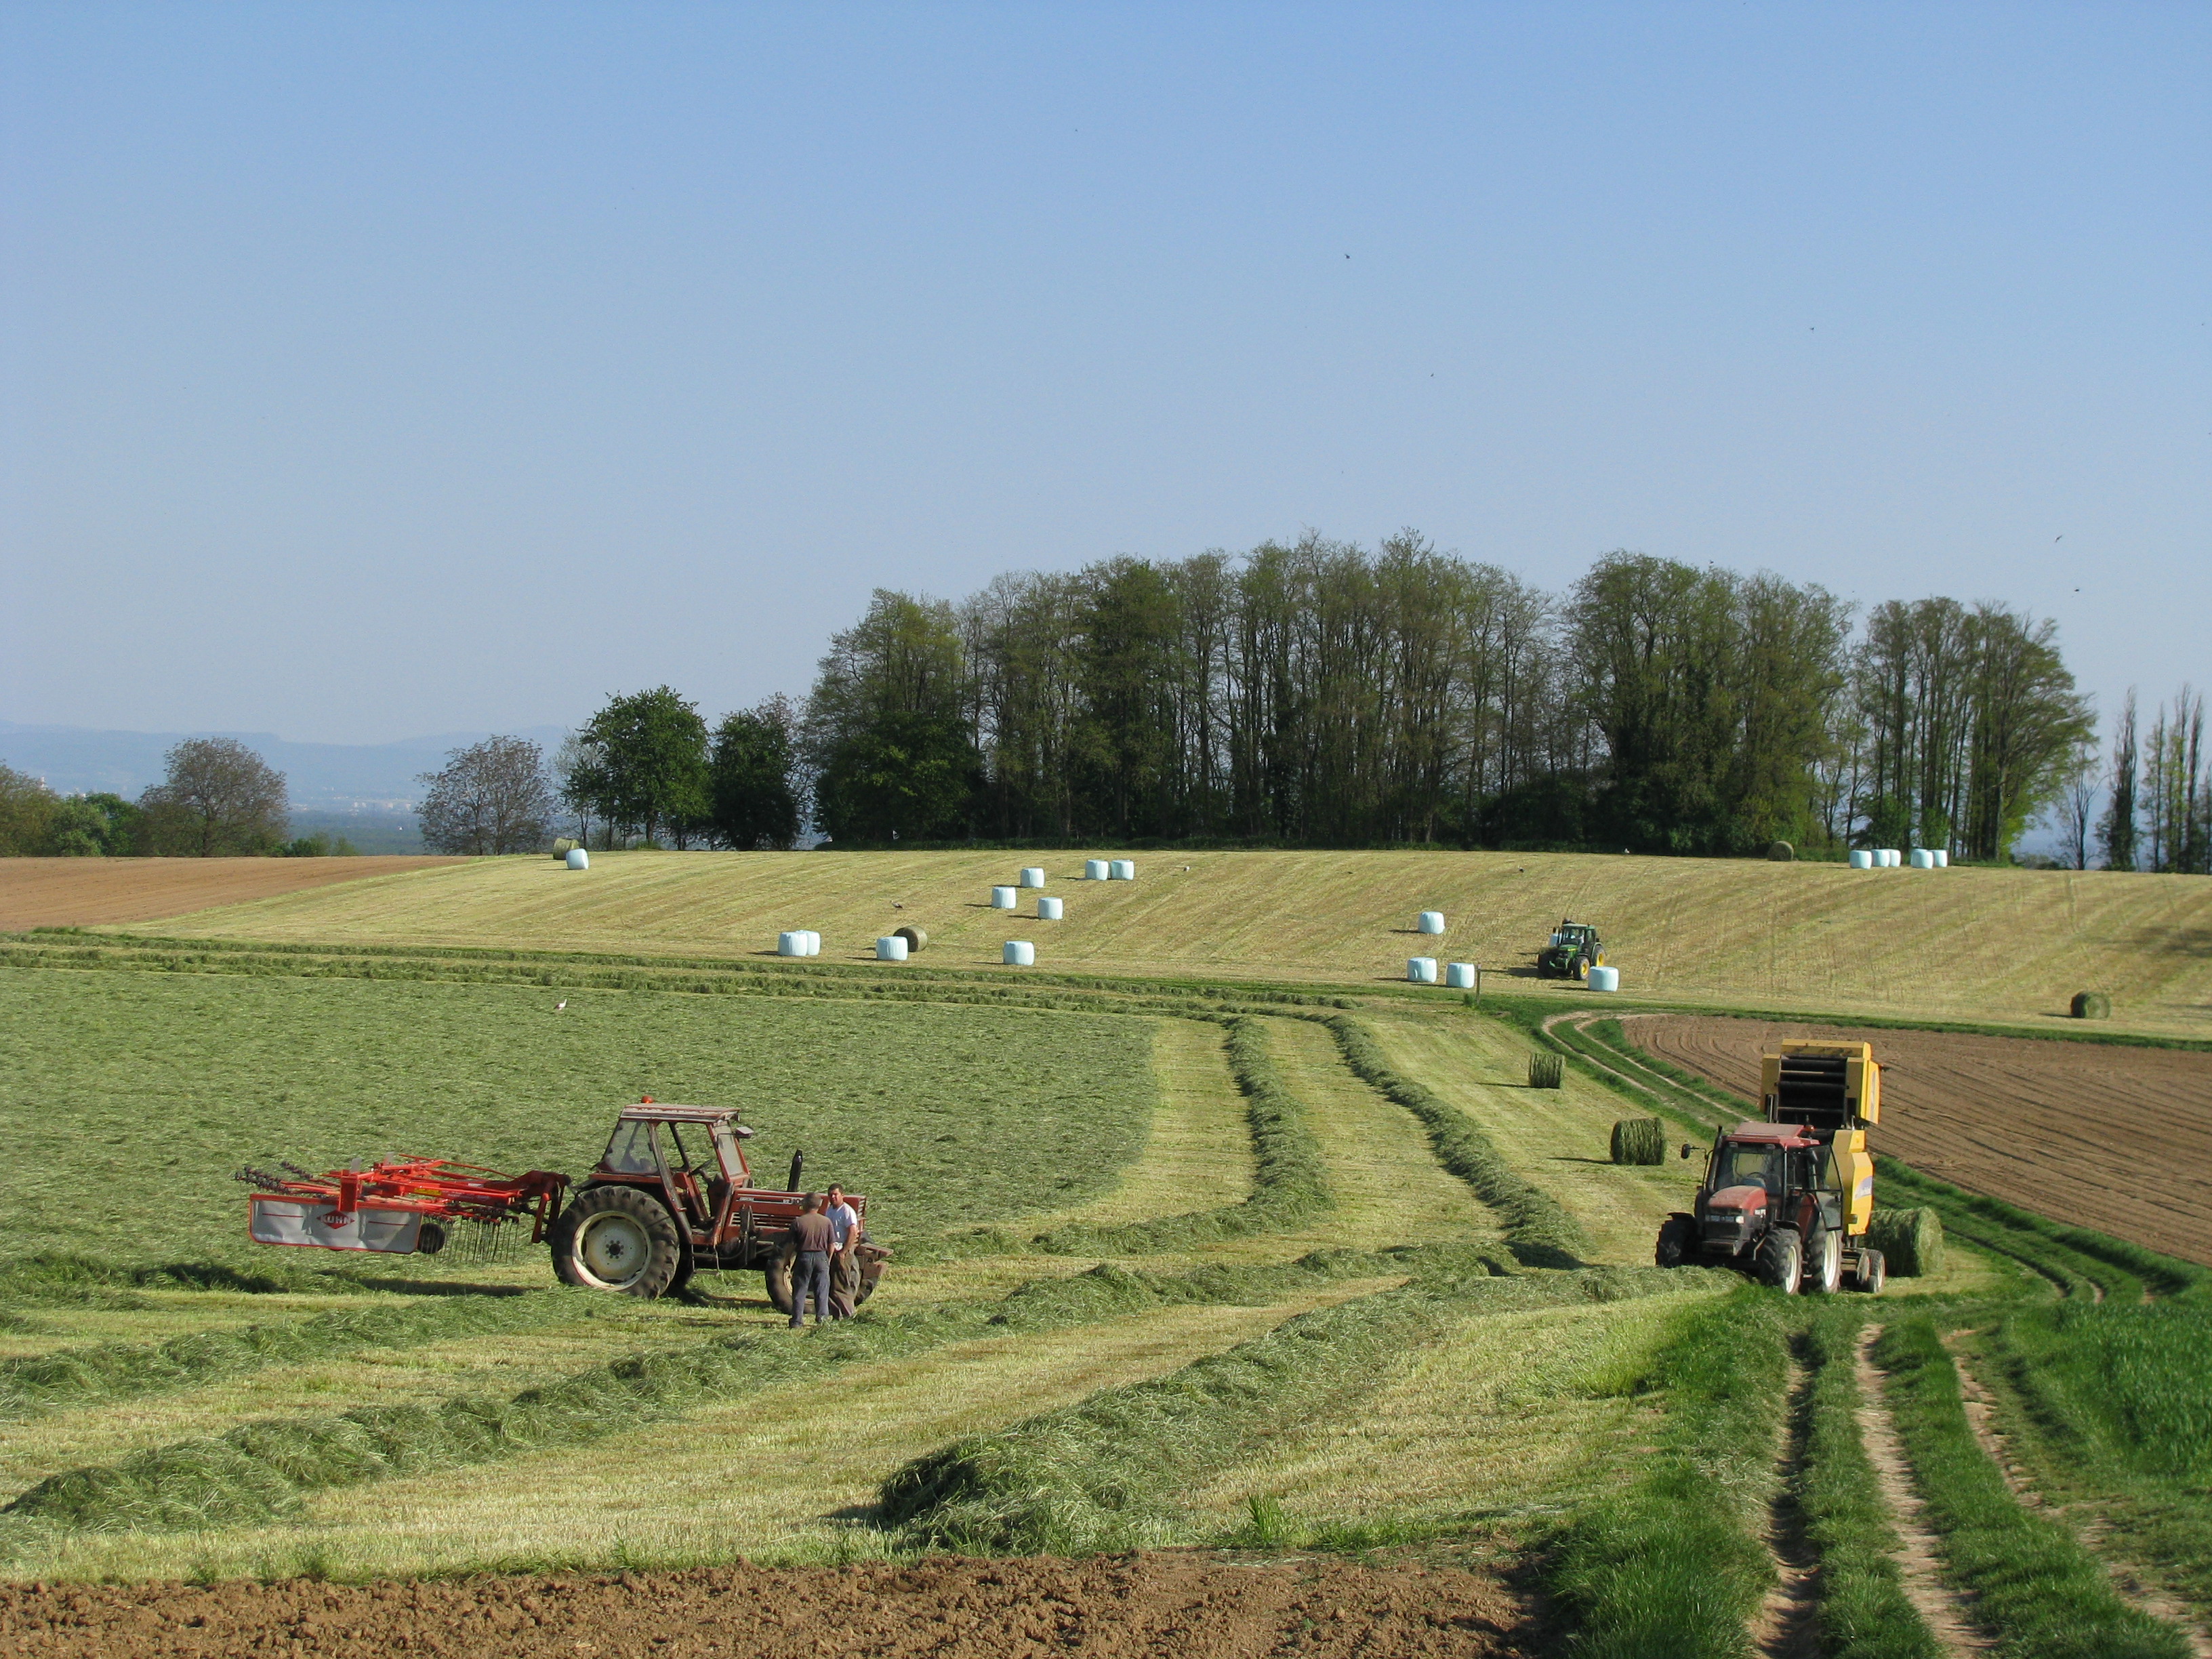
[[577, 858], [1605, 978], [890, 948], [1782, 852], [1048, 907], [1546, 1071], [1431, 921], [1910, 1241], [1005, 899], [1094, 869], [1861, 860], [1033, 876], [1639, 1140], [1460, 975], [2092, 1005], [1020, 953], [914, 936], [1941, 855], [1922, 859], [1421, 970]]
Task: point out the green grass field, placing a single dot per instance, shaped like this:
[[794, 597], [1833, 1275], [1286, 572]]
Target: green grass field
[[1179, 1264]]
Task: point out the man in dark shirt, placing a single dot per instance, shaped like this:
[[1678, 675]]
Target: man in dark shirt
[[811, 1231]]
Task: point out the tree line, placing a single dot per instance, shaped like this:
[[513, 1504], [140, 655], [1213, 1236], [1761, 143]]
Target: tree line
[[1319, 694]]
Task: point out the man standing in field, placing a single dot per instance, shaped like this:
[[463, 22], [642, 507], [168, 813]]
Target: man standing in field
[[815, 1237], [844, 1262]]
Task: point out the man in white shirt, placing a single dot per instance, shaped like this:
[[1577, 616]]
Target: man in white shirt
[[844, 1265]]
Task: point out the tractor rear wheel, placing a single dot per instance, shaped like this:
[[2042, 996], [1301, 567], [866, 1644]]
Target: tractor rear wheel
[[1824, 1261], [616, 1239], [1781, 1259], [1873, 1274], [1678, 1237]]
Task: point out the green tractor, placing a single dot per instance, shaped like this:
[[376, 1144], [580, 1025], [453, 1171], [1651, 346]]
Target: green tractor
[[1574, 950]]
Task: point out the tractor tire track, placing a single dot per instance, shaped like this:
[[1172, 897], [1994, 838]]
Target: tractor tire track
[[1946, 1614], [2129, 1580], [1788, 1624]]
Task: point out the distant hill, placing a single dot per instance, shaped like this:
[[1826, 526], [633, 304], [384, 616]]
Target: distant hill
[[324, 779]]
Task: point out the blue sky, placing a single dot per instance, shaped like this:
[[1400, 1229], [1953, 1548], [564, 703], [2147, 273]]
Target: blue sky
[[383, 369]]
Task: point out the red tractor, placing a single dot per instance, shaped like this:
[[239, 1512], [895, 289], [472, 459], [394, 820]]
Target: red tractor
[[672, 1196], [1789, 1200]]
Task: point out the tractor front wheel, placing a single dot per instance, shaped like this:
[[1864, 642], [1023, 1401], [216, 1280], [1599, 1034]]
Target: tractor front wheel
[[616, 1239], [1781, 1259], [1678, 1237]]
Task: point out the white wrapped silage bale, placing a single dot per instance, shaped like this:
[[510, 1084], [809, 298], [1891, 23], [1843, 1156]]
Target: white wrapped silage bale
[[1861, 860], [1020, 953], [1941, 855], [1460, 975], [790, 945], [1032, 877], [1605, 978], [1122, 870], [1422, 970], [579, 858], [1923, 859], [1048, 909], [1431, 921], [1005, 899], [890, 948], [813, 942], [1094, 870]]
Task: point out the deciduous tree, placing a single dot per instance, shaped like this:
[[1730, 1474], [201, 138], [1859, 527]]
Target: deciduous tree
[[490, 797], [219, 798]]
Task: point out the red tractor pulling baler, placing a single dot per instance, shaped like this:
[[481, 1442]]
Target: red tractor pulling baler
[[673, 1195]]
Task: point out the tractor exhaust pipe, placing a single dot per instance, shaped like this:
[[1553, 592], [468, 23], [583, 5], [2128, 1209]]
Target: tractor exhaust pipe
[[798, 1169]]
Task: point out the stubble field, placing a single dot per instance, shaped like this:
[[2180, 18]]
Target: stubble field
[[1998, 944]]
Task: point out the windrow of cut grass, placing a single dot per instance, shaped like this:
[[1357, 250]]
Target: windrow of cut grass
[[74, 1377], [261, 1471], [1672, 1565], [1108, 1473], [2043, 1594], [1290, 1183], [1539, 1230], [616, 971], [2081, 1261]]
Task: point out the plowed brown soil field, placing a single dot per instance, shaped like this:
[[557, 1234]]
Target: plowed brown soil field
[[2117, 1139], [1193, 1606], [91, 892]]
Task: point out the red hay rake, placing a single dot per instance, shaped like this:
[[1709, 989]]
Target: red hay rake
[[398, 1205]]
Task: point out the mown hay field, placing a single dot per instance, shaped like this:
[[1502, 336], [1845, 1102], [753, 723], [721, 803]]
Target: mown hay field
[[1305, 1280], [1994, 945]]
